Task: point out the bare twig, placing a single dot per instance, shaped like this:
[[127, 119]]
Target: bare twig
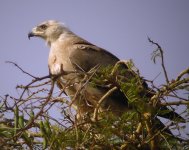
[[157, 133], [32, 82], [10, 62], [33, 86], [182, 102], [164, 91], [150, 133], [186, 71], [30, 123], [166, 141], [162, 59]]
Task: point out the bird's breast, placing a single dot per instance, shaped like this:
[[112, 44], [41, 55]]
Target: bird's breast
[[59, 59]]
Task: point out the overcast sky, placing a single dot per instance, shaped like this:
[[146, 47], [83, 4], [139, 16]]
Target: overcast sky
[[120, 26]]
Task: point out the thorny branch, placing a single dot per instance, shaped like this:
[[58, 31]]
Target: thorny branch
[[38, 97]]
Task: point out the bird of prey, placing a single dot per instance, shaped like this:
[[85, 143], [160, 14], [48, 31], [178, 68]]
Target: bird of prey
[[72, 57]]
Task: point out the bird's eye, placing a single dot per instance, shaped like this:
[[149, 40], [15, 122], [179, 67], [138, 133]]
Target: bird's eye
[[43, 26]]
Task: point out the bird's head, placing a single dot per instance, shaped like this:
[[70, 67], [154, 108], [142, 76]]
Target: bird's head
[[48, 30]]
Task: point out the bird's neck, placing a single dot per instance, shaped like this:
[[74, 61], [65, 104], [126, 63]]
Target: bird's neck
[[62, 37]]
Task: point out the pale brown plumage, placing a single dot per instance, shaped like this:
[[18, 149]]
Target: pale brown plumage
[[70, 53]]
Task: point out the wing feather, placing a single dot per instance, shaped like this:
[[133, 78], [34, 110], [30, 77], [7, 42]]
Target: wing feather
[[86, 56]]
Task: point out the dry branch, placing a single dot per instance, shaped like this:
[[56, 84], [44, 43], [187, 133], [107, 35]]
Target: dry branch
[[162, 58]]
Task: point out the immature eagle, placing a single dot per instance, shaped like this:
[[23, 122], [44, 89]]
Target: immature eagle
[[73, 57]]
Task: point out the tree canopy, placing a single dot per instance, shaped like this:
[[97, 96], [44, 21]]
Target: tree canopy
[[27, 122]]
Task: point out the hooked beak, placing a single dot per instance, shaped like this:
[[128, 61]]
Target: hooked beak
[[34, 32], [30, 34]]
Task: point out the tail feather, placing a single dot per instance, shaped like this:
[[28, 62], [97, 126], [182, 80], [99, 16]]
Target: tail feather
[[158, 125], [170, 114]]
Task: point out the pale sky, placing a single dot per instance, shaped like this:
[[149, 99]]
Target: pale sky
[[120, 26]]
